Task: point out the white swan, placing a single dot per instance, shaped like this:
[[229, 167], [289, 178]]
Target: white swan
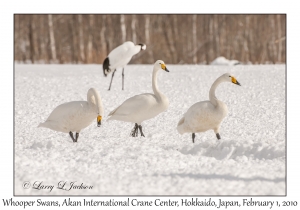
[[120, 57], [142, 107], [76, 115], [206, 115]]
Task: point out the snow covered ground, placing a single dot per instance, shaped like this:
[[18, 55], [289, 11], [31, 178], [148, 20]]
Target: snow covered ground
[[248, 160]]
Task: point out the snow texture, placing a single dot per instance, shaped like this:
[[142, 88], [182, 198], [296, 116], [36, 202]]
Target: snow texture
[[248, 160]]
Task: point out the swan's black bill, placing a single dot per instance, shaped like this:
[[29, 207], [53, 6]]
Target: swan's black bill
[[167, 70], [99, 118], [237, 83]]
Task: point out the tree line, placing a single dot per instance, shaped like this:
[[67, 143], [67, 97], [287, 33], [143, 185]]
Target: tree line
[[174, 38]]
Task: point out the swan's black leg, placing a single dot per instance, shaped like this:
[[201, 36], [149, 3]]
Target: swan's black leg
[[72, 137], [134, 131], [123, 79], [193, 137], [140, 127], [112, 76], [77, 135], [218, 136]]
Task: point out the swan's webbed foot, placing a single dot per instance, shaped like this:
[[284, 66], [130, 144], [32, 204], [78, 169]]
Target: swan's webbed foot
[[77, 135], [134, 131], [72, 137], [218, 136], [142, 134], [193, 137]]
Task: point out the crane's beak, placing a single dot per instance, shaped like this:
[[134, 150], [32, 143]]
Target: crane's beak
[[99, 118]]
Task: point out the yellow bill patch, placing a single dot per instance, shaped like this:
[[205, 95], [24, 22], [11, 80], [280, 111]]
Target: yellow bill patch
[[163, 66], [99, 118], [233, 79]]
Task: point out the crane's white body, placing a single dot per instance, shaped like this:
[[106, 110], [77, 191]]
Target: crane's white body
[[121, 55], [76, 115]]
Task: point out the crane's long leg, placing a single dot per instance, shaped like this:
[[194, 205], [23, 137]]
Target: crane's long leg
[[77, 135], [193, 137], [140, 127], [112, 76], [72, 137], [123, 79]]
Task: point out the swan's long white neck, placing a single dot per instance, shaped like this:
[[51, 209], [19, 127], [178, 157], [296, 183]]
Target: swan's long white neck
[[212, 92], [94, 98], [154, 84]]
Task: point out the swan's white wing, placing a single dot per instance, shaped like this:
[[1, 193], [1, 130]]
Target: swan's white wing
[[181, 121], [67, 110], [202, 108], [203, 116], [71, 116], [135, 104]]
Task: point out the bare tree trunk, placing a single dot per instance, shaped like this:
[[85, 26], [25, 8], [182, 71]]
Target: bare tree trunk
[[109, 34], [31, 38], [272, 43], [90, 42], [178, 38], [43, 39], [81, 40], [18, 39], [72, 42], [147, 36], [24, 42], [216, 36], [102, 37], [123, 28], [195, 37], [210, 49], [246, 38], [133, 22], [52, 38], [169, 37], [279, 36]]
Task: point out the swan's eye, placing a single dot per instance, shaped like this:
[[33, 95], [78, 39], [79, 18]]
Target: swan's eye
[[229, 76]]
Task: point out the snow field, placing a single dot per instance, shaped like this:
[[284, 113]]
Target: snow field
[[248, 160]]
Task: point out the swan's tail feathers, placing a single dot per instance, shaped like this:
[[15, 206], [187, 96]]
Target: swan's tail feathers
[[41, 125], [113, 111], [53, 125], [108, 119], [106, 69], [180, 126], [181, 121]]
